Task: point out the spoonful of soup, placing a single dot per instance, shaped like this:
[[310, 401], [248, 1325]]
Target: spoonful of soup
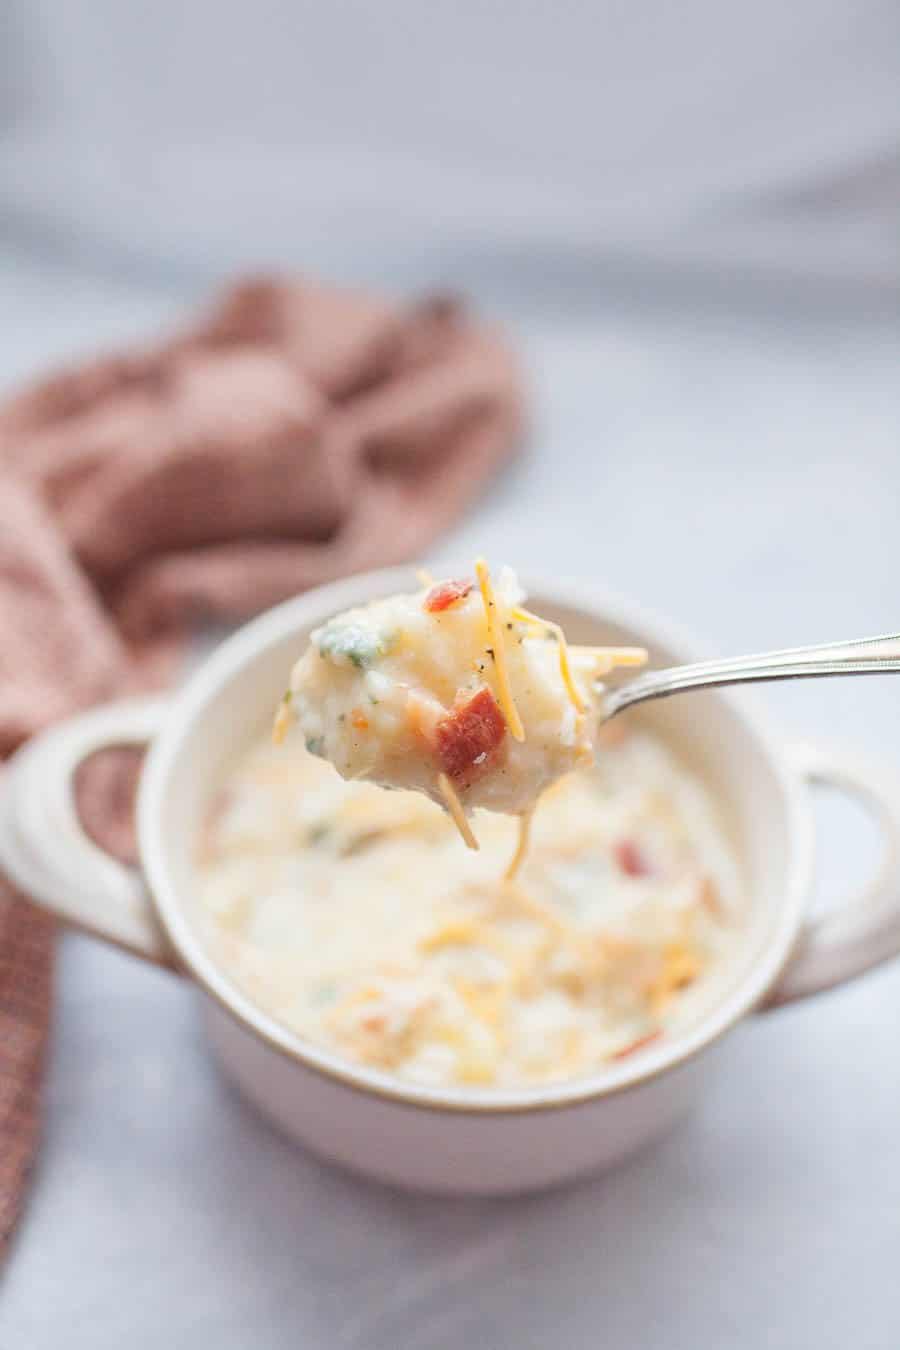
[[455, 690], [460, 692]]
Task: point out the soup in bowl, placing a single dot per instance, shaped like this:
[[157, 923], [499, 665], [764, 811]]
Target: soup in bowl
[[532, 1056], [358, 918]]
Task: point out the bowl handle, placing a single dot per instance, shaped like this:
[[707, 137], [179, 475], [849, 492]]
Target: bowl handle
[[44, 847], [865, 930]]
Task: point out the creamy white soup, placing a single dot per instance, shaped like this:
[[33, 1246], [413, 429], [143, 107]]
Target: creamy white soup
[[455, 691], [355, 917]]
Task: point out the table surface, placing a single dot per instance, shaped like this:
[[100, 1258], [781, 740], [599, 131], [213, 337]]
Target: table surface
[[736, 468]]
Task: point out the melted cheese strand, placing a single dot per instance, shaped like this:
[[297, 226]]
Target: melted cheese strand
[[521, 847], [539, 909], [613, 656], [565, 669], [496, 639], [455, 810]]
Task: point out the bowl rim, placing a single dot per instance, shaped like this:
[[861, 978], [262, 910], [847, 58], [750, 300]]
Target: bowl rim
[[274, 626]]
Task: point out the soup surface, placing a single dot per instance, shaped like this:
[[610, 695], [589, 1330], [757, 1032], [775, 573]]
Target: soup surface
[[356, 918]]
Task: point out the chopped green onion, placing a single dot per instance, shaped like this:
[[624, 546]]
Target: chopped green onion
[[351, 642]]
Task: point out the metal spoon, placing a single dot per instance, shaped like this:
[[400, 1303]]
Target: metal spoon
[[868, 656]]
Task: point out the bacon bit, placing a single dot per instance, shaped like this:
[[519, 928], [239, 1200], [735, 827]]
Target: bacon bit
[[636, 1045], [631, 860], [469, 735], [447, 593], [359, 720]]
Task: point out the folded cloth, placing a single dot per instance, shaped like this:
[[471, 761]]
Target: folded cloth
[[295, 434]]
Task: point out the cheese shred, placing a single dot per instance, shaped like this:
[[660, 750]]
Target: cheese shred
[[609, 658], [606, 658], [455, 810], [565, 669], [496, 640], [518, 857]]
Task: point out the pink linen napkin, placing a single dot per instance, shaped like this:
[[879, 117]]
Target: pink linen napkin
[[294, 434]]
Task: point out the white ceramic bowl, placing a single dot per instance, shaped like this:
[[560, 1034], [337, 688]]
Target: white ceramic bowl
[[452, 1140]]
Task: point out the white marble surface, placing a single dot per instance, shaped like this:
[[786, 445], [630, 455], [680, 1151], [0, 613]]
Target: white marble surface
[[740, 470]]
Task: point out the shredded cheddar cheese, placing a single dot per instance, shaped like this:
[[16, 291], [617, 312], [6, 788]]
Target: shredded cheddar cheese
[[455, 809], [610, 658], [496, 639], [457, 932], [565, 670], [521, 845]]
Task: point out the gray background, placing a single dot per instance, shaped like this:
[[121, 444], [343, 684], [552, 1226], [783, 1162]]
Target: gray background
[[689, 217]]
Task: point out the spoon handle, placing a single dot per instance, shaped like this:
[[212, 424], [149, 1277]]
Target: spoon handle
[[867, 656]]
